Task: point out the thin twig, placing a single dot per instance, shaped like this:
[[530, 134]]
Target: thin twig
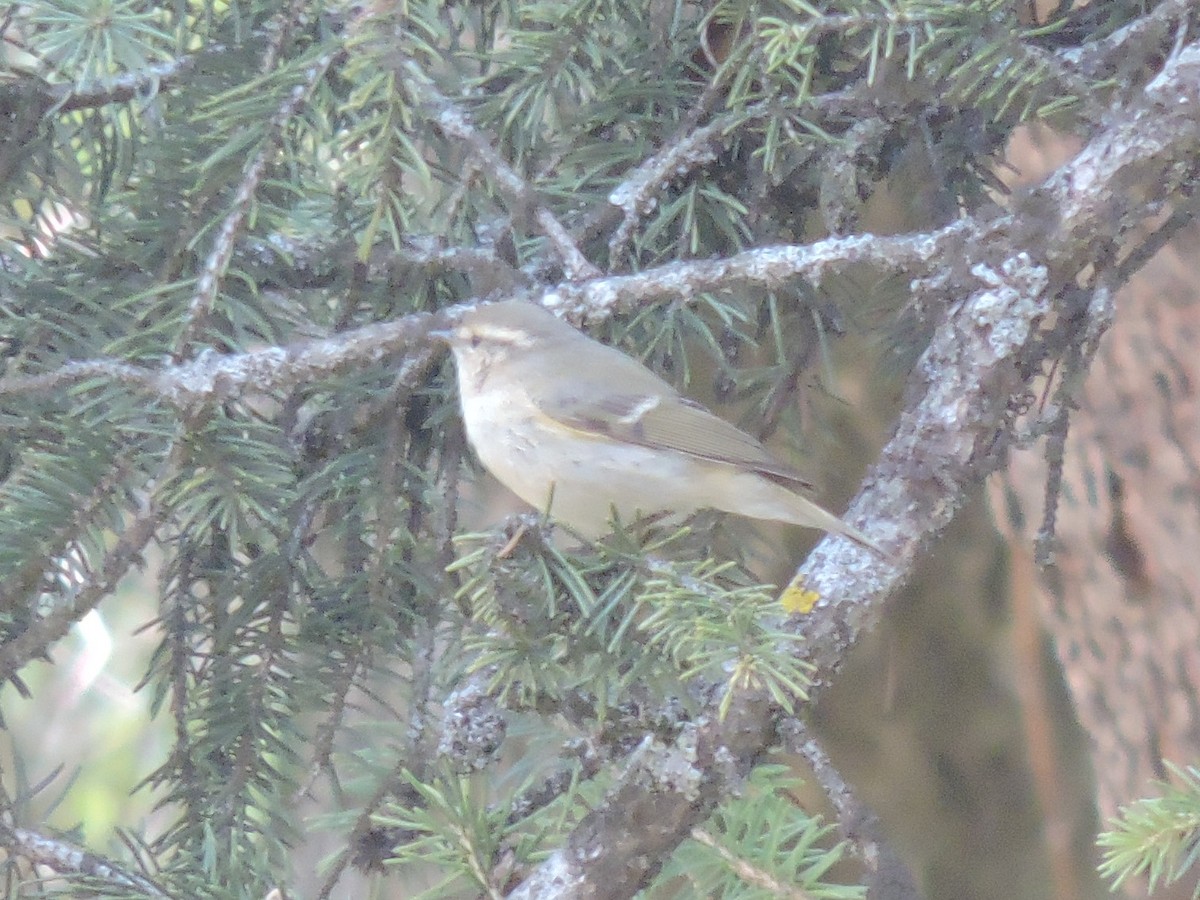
[[66, 859], [117, 89], [291, 263], [858, 825], [454, 123], [679, 157], [35, 569], [747, 871], [72, 373], [204, 299], [592, 757], [1056, 444], [695, 148], [34, 639], [764, 267], [1100, 58]]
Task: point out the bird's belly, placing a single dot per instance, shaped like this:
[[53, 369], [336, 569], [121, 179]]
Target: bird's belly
[[577, 477]]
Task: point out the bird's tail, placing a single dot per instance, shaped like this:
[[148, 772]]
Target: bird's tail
[[811, 515]]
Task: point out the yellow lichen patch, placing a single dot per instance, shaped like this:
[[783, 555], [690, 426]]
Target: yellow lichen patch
[[796, 598]]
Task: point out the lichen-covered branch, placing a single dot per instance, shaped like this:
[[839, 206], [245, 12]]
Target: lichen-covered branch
[[65, 859], [212, 375]]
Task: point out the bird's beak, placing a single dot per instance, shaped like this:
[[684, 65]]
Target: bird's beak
[[440, 334]]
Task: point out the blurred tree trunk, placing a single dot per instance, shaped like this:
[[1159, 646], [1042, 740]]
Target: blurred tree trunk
[[1120, 596]]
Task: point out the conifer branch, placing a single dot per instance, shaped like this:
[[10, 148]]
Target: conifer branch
[[698, 146], [36, 569], [201, 305], [65, 859], [61, 98], [678, 158], [483, 267], [1070, 82], [1144, 35], [591, 758], [365, 850], [858, 824], [748, 871], [73, 373], [290, 263], [1155, 837], [455, 124], [214, 375], [36, 638]]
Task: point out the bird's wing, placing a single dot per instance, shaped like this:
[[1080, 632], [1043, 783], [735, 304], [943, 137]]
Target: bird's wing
[[668, 421]]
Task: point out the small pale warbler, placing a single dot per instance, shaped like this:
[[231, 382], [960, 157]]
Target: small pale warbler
[[564, 420]]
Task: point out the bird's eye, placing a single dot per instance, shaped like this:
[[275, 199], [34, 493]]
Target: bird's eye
[[476, 340]]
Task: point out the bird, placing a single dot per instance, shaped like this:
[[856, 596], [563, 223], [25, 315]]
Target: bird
[[580, 429]]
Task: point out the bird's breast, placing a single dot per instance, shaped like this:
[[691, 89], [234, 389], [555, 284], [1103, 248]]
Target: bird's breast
[[579, 477]]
